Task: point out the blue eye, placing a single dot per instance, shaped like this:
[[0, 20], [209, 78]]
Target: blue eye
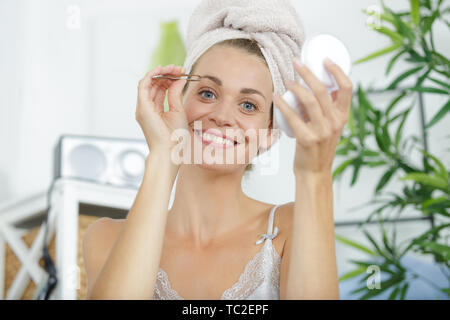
[[251, 104], [255, 108], [201, 92]]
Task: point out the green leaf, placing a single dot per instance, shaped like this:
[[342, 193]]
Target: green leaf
[[437, 248], [446, 290], [364, 105], [428, 22], [415, 16], [429, 89], [442, 170], [385, 179], [376, 163], [394, 293], [352, 274], [401, 26], [443, 72], [363, 288], [439, 115], [386, 136], [365, 264], [382, 16], [427, 179], [447, 23], [354, 244], [394, 102], [394, 36], [344, 150], [379, 141], [382, 137], [370, 153], [383, 287], [426, 4], [356, 167], [389, 247], [435, 201], [342, 167], [398, 134], [445, 85], [393, 61], [440, 57], [374, 243], [403, 76], [415, 57], [403, 292], [398, 115], [423, 77], [432, 232], [379, 53]]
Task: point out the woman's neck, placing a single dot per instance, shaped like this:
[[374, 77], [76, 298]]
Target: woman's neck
[[208, 205]]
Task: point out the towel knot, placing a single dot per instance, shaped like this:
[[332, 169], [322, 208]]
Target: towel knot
[[268, 236]]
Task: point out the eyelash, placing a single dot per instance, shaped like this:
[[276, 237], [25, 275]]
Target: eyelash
[[256, 108]]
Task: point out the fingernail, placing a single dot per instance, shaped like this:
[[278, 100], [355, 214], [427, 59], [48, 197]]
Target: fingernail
[[327, 62], [289, 82], [298, 62]]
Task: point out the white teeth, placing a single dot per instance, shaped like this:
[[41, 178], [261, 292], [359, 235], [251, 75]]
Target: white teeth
[[215, 139]]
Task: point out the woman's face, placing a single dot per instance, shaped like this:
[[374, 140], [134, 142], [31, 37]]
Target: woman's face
[[234, 98]]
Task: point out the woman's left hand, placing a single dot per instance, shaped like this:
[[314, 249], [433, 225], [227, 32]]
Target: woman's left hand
[[317, 138]]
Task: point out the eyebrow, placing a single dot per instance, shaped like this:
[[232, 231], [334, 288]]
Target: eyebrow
[[243, 90]]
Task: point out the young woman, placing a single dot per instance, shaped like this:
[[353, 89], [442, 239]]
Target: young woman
[[204, 246]]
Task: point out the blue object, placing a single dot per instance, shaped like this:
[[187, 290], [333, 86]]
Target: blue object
[[418, 289]]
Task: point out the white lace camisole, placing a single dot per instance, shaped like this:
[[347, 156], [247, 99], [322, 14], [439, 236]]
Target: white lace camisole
[[259, 281]]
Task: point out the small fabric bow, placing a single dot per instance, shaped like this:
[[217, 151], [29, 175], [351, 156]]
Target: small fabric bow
[[268, 236]]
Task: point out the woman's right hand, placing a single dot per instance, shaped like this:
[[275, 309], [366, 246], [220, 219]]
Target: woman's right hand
[[156, 124]]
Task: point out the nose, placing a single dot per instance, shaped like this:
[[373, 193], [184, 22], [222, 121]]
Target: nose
[[222, 115]]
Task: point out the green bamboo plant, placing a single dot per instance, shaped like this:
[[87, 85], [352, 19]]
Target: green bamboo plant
[[170, 49], [425, 189]]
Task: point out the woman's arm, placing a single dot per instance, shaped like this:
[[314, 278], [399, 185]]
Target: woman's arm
[[309, 262], [131, 268], [309, 269]]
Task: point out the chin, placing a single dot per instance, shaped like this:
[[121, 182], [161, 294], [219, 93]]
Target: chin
[[222, 168]]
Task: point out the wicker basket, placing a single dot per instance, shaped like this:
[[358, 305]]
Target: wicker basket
[[13, 264]]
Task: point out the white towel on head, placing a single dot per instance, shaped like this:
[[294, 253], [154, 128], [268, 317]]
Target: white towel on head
[[274, 24]]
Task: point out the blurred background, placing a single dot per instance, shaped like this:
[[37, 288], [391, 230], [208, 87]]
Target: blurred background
[[71, 69]]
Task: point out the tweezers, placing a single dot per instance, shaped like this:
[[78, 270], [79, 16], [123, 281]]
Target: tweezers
[[188, 77]]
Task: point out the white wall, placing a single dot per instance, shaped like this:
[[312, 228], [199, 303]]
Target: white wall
[[58, 78], [42, 92]]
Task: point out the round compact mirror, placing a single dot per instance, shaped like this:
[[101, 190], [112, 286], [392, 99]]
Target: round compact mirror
[[315, 49]]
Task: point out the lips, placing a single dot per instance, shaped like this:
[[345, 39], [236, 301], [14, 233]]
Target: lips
[[218, 133], [208, 141]]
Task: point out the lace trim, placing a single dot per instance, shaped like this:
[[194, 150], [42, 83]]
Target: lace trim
[[163, 290], [252, 277], [254, 274]]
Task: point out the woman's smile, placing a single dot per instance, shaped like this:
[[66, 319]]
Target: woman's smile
[[214, 140]]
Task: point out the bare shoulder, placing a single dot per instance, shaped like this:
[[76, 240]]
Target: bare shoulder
[[98, 240], [284, 216], [101, 230]]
